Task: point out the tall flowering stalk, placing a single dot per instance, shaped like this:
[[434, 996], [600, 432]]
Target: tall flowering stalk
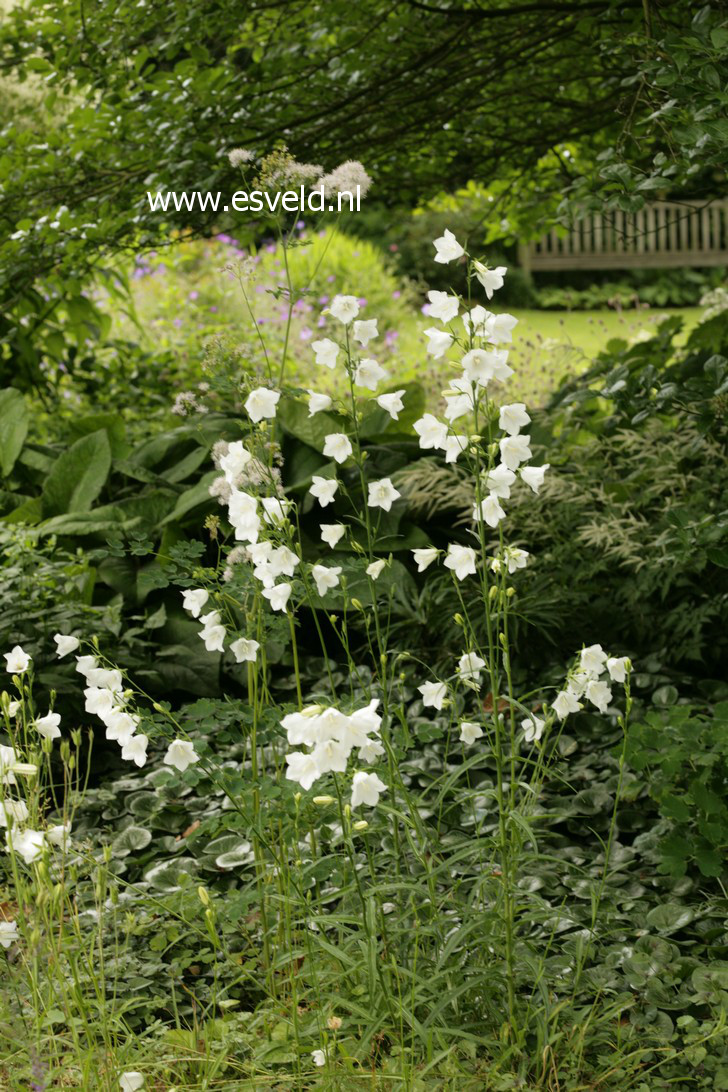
[[343, 751]]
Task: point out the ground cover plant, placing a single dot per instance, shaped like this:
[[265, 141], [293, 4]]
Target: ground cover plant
[[361, 862]]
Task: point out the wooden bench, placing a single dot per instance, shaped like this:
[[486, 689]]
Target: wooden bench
[[661, 235]]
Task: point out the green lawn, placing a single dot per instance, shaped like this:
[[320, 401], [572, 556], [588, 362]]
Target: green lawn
[[183, 299]]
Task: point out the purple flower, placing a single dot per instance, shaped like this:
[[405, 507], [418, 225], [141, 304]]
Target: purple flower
[[193, 295], [306, 334], [396, 294]]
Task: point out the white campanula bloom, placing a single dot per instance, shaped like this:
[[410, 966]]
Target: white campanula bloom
[[499, 481], [107, 678], [325, 577], [17, 810], [477, 366], [134, 749], [318, 402], [47, 726], [64, 645], [8, 933], [27, 843], [489, 510], [132, 1081], [448, 248], [180, 754], [618, 666], [243, 515], [513, 418], [599, 694], [212, 632], [476, 320], [515, 558], [533, 476], [438, 342], [13, 708], [332, 533], [433, 694], [461, 560], [470, 666], [375, 569], [460, 403], [371, 751], [533, 728], [345, 308], [303, 768], [99, 700], [59, 834], [261, 403], [331, 756], [361, 723], [576, 683], [245, 650], [382, 494], [392, 403], [491, 279], [278, 596], [454, 447], [338, 446], [326, 352], [424, 556], [499, 328], [443, 306], [17, 661], [8, 761], [515, 450], [319, 1057], [593, 659], [366, 788], [432, 433], [234, 461], [369, 374], [469, 732], [323, 489], [365, 330], [275, 509], [565, 703], [84, 664], [194, 599], [120, 725]]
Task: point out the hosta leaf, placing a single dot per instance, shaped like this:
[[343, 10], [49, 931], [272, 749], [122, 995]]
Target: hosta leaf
[[13, 428], [78, 475]]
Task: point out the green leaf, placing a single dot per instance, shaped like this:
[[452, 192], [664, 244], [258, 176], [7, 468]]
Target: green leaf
[[669, 917], [131, 839], [13, 428], [293, 416], [78, 475]]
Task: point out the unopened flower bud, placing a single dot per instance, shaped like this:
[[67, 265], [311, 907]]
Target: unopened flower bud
[[510, 592], [360, 825], [157, 707], [493, 450], [323, 801], [356, 604], [493, 592], [203, 895], [458, 620]]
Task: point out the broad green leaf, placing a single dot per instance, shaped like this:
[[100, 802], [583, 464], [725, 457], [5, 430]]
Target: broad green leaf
[[13, 428], [293, 416], [133, 838], [78, 475]]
